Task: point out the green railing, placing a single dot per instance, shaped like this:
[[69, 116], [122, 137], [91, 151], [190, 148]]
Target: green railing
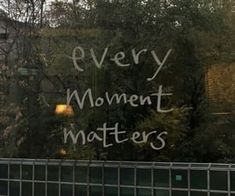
[[21, 177]]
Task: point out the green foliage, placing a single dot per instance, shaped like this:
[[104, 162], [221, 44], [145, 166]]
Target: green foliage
[[195, 31], [174, 123]]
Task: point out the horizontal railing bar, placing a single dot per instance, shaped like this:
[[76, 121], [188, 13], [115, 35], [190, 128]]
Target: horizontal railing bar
[[121, 163]]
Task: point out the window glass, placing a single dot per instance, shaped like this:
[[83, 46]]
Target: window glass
[[127, 176], [127, 191], [96, 175], [3, 187], [66, 190], [66, 173], [198, 179], [143, 177], [39, 172], [218, 194], [27, 188], [39, 189], [95, 191], [161, 193], [154, 71], [232, 179], [15, 171], [161, 178], [52, 173], [179, 193], [133, 81], [52, 189], [110, 175], [81, 174], [27, 172], [3, 171], [111, 191], [143, 192], [80, 190], [14, 188], [194, 193], [179, 178], [218, 180]]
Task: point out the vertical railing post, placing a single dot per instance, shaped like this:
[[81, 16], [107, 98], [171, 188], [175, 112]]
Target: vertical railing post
[[229, 180], [152, 179], [208, 179], [21, 178], [74, 178], [170, 185], [119, 178]]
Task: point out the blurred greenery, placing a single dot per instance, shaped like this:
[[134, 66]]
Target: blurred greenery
[[199, 32]]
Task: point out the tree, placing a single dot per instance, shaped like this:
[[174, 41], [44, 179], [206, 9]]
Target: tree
[[195, 30], [19, 23]]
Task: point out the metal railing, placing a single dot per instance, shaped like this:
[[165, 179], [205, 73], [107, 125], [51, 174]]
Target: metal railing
[[24, 177]]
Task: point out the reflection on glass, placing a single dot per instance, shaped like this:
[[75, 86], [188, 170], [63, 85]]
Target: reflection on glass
[[161, 193], [39, 172], [52, 189], [66, 174], [14, 188], [3, 171], [179, 193], [14, 171], [127, 191], [194, 193], [179, 179], [232, 179], [27, 172], [198, 179], [66, 190], [96, 175], [39, 189], [80, 190], [111, 191], [218, 180], [144, 192], [81, 174], [161, 178], [27, 188], [95, 191], [143, 177], [110, 175], [3, 187], [218, 194], [52, 173], [127, 176]]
